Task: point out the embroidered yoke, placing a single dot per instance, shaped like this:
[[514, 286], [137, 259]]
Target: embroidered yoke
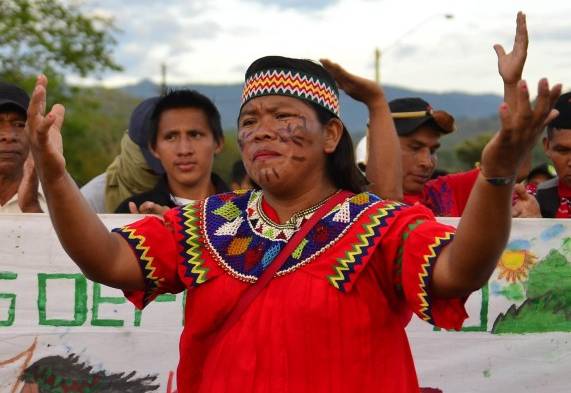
[[333, 318]]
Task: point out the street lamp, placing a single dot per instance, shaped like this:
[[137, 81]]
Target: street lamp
[[399, 39]]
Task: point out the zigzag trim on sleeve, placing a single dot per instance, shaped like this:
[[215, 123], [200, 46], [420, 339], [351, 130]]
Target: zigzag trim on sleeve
[[195, 264], [137, 243], [425, 307]]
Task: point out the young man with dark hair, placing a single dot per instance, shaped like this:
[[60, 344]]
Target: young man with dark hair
[[185, 135], [554, 196], [18, 182]]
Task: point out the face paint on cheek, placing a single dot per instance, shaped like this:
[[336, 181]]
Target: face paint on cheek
[[301, 137], [267, 175], [295, 131], [244, 137]]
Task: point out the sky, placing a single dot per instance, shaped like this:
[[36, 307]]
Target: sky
[[214, 41]]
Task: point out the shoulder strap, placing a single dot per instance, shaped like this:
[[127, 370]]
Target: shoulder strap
[[254, 290], [548, 198]]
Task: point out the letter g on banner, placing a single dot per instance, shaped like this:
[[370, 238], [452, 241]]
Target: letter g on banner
[[11, 298]]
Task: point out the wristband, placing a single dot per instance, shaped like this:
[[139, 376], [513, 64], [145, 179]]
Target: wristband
[[500, 181]]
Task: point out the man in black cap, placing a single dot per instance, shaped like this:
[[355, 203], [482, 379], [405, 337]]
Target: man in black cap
[[18, 183], [554, 196], [419, 128]]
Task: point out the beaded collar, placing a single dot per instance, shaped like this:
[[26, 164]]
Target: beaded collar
[[266, 227], [243, 244]]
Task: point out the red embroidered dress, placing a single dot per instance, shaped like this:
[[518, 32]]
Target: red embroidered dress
[[333, 318]]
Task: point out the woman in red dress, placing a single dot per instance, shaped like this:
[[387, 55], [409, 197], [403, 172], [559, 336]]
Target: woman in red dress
[[332, 317]]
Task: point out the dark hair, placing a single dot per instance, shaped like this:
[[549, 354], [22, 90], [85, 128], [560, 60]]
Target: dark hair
[[340, 165], [185, 98], [238, 172], [542, 169], [551, 130]]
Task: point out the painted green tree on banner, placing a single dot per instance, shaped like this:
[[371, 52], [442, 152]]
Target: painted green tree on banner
[[547, 305]]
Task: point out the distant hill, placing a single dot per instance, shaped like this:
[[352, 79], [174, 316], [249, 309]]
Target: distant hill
[[354, 114]]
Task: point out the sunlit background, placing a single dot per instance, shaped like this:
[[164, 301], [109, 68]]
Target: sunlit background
[[104, 56], [437, 45]]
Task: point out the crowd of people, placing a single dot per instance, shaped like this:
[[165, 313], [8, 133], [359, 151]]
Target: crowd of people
[[304, 276]]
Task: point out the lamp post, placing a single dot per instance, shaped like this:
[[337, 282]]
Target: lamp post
[[379, 52], [163, 78]]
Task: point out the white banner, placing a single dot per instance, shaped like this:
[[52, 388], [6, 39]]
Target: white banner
[[57, 328]]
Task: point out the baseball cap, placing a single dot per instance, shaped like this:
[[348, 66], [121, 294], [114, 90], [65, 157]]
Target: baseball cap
[[140, 129], [13, 95], [412, 112]]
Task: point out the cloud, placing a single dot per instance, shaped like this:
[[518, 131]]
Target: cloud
[[561, 33], [150, 22], [238, 69], [142, 7], [302, 5], [151, 33], [404, 51], [242, 31], [204, 30], [213, 41]]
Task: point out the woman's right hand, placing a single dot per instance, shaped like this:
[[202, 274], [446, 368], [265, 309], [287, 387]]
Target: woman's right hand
[[44, 134]]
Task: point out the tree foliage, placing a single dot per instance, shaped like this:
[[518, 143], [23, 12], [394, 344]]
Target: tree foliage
[[470, 150], [94, 124], [40, 35], [55, 38], [230, 154]]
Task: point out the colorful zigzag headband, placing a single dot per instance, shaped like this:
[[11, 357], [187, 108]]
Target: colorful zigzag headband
[[294, 84]]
